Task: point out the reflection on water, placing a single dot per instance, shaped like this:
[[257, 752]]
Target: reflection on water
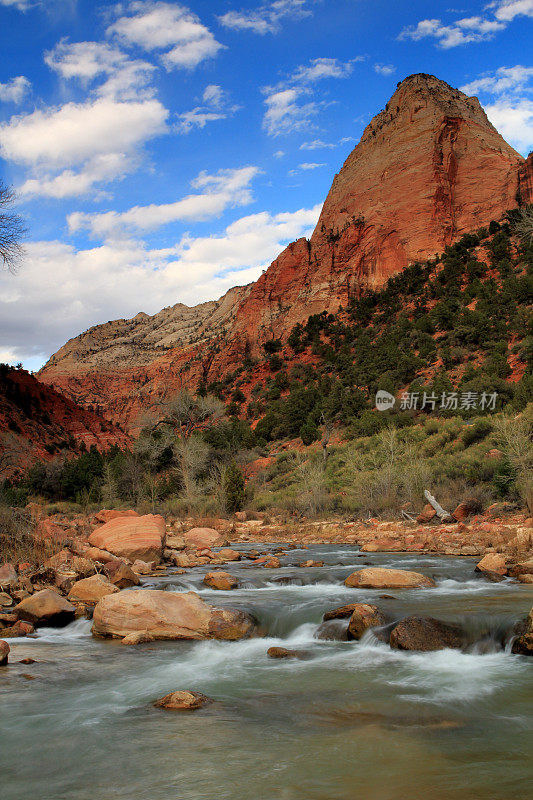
[[349, 720]]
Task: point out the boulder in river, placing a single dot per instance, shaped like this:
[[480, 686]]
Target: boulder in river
[[492, 563], [132, 537], [183, 701], [4, 653], [523, 644], [364, 616], [425, 634], [141, 637], [381, 578], [220, 580], [46, 607], [18, 629], [227, 554], [91, 590], [168, 615]]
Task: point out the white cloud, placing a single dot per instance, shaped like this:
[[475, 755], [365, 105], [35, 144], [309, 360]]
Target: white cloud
[[216, 107], [22, 5], [266, 18], [285, 113], [385, 69], [318, 144], [514, 120], [15, 90], [175, 29], [287, 108], [119, 279], [98, 134], [510, 109], [320, 68], [462, 31], [226, 189], [86, 61], [509, 9], [308, 166], [470, 29], [504, 79]]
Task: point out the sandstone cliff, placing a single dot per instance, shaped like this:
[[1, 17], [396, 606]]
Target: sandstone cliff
[[428, 168]]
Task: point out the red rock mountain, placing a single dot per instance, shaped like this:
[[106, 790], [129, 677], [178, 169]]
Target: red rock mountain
[[428, 168]]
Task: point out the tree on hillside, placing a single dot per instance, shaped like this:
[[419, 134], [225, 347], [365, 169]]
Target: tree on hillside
[[12, 230], [184, 413], [515, 437]]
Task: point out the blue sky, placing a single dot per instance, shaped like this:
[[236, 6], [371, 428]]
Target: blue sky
[[164, 152]]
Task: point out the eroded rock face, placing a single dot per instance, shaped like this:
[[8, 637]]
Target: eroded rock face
[[45, 608], [381, 578], [428, 168], [425, 634], [132, 538], [167, 615], [364, 616], [183, 701]]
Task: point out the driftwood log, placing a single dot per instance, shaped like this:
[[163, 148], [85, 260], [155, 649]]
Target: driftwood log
[[443, 515]]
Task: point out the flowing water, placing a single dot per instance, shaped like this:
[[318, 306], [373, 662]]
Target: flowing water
[[349, 720]]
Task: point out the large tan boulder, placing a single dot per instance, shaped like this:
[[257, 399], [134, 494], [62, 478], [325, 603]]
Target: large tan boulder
[[132, 537], [91, 590], [45, 608], [203, 537], [382, 578], [168, 615]]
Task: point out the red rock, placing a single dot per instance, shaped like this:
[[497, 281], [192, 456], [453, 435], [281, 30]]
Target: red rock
[[364, 616], [142, 637], [427, 514], [20, 628], [492, 562], [120, 574], [132, 537], [8, 576], [283, 652]]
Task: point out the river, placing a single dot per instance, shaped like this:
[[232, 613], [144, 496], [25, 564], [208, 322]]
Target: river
[[350, 720]]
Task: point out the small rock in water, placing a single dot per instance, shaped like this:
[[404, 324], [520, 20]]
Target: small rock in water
[[492, 563], [283, 652], [425, 634], [140, 637], [4, 653], [183, 701], [343, 612], [27, 661], [311, 563]]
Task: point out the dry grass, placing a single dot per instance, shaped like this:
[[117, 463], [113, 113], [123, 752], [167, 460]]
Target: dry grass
[[18, 542]]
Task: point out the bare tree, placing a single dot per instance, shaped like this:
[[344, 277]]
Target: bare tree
[[524, 224], [12, 230], [185, 413]]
